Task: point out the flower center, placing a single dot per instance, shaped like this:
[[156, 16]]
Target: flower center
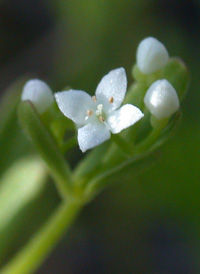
[[99, 113], [99, 110]]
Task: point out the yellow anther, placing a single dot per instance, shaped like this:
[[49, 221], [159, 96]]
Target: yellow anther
[[89, 112], [111, 100], [94, 98], [101, 119]]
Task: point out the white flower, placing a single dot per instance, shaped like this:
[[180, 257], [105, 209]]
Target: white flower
[[161, 99], [99, 115], [151, 55], [39, 93]]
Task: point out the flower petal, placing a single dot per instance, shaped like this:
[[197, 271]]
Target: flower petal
[[124, 117], [74, 104], [113, 85], [92, 135]]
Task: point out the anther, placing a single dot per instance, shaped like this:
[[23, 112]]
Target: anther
[[101, 119], [111, 100], [94, 98], [89, 112]]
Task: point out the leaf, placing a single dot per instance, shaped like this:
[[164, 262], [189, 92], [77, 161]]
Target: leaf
[[177, 74], [26, 202], [21, 183], [116, 163], [45, 144], [91, 161], [169, 131], [12, 141]]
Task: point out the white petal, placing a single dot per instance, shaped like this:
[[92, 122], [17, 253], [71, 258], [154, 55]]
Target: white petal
[[92, 135], [151, 55], [124, 117], [39, 93], [74, 104], [161, 99], [113, 85]]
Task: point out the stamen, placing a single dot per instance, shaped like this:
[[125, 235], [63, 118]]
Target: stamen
[[111, 100], [101, 119], [94, 98], [89, 112]]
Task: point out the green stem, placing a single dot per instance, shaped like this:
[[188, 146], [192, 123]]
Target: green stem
[[125, 146], [28, 260], [139, 152], [148, 142], [98, 183]]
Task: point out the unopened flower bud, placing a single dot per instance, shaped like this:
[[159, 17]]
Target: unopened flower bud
[[161, 99], [39, 93], [151, 55]]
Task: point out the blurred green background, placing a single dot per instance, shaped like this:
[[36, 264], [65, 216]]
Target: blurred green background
[[148, 222]]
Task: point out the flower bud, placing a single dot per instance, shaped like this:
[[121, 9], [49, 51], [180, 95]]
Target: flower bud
[[39, 93], [161, 99], [151, 55]]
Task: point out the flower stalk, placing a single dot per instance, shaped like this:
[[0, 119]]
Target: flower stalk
[[31, 256]]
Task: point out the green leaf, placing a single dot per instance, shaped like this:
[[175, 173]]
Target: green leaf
[[116, 162], [169, 131], [46, 145], [107, 176], [38, 200], [177, 74], [21, 183], [92, 161], [13, 144]]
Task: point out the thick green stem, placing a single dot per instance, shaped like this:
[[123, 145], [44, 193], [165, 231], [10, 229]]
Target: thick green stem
[[28, 260]]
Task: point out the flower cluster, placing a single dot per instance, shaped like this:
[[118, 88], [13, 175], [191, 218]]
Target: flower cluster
[[99, 116]]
